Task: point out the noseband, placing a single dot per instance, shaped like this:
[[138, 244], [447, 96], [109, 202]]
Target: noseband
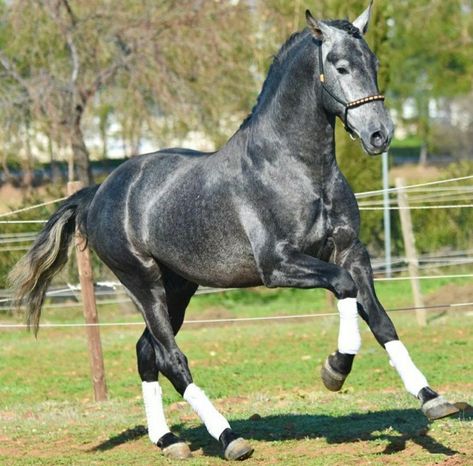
[[346, 105]]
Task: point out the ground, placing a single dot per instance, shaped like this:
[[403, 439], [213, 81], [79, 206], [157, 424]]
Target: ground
[[264, 377]]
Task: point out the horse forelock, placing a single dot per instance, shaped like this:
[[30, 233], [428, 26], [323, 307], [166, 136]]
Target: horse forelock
[[346, 26]]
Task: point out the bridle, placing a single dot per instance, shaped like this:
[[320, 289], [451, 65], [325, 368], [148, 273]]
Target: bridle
[[347, 105]]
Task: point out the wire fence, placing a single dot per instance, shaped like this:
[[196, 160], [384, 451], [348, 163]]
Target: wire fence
[[422, 193], [235, 320], [363, 205], [117, 289]]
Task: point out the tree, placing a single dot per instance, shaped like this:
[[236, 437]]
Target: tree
[[160, 58], [431, 44]]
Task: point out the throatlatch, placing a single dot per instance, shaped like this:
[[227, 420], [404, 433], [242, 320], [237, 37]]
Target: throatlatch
[[347, 105]]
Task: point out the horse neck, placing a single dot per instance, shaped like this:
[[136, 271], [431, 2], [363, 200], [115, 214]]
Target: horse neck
[[292, 120]]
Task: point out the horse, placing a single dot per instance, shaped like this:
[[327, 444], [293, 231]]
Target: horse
[[271, 208]]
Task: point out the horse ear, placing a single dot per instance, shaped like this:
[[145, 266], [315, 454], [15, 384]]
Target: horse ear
[[362, 21], [317, 28]]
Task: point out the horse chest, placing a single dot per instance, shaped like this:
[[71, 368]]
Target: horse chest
[[319, 229]]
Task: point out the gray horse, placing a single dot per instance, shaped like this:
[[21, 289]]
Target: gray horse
[[269, 208]]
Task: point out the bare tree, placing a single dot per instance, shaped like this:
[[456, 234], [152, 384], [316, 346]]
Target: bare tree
[[161, 57]]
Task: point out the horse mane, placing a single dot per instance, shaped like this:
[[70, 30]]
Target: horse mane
[[275, 70], [279, 59]]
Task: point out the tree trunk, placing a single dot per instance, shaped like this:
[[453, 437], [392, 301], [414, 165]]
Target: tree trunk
[[80, 153], [9, 178], [423, 155], [55, 171], [27, 180]]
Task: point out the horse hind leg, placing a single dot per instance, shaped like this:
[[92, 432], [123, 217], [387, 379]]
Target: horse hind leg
[[150, 357], [158, 430], [338, 365], [146, 286]]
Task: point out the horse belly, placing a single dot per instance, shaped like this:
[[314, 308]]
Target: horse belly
[[206, 249], [217, 265]]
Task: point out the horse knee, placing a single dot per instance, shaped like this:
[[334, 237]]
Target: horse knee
[[344, 286]]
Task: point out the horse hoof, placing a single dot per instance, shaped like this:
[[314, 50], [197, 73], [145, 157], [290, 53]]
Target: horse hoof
[[238, 450], [332, 379], [178, 451], [437, 408]]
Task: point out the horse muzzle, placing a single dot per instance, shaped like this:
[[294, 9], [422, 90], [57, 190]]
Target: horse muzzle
[[377, 140]]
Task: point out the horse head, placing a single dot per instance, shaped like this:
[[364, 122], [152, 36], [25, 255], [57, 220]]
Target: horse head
[[348, 77]]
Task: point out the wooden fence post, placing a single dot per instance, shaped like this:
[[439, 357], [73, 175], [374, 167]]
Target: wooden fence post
[[411, 255], [90, 309]]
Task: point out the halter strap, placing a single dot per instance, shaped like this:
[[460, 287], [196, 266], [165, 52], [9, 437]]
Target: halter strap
[[346, 105]]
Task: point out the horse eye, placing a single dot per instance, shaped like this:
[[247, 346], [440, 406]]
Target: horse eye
[[342, 70]]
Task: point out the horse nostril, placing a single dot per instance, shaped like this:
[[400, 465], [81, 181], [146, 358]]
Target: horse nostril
[[378, 139]]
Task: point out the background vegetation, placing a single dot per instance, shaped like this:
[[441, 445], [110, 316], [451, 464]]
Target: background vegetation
[[159, 71], [73, 73]]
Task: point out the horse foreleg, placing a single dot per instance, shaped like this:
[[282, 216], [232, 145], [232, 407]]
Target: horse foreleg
[[338, 365], [356, 261]]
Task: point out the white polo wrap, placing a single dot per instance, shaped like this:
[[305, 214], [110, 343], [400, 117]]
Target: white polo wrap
[[413, 379], [349, 338], [153, 401], [213, 420]]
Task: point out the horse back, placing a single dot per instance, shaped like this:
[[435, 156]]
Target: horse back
[[177, 206]]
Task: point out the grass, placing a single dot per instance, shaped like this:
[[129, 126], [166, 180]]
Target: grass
[[264, 377]]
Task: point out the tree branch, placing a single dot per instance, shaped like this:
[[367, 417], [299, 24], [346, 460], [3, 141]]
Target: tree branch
[[12, 72]]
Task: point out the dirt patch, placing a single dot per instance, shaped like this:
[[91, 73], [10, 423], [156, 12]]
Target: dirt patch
[[415, 173], [12, 197], [450, 294]]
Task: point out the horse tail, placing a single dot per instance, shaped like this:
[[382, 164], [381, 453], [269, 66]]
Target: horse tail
[[31, 276]]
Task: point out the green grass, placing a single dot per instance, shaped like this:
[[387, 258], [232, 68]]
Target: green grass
[[47, 415]]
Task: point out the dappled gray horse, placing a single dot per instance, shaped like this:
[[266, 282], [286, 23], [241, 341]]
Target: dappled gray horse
[[269, 208]]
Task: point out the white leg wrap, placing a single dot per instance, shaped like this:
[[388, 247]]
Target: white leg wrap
[[413, 379], [153, 400], [213, 420], [349, 338]]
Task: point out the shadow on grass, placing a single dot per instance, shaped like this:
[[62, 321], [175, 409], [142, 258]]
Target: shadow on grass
[[395, 426]]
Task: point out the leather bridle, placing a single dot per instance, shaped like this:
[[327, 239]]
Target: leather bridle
[[346, 105]]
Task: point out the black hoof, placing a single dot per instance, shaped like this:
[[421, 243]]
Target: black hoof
[[332, 378], [238, 450], [178, 451], [173, 447], [235, 448], [437, 408]]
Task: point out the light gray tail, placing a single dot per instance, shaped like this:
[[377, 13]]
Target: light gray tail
[[31, 276]]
